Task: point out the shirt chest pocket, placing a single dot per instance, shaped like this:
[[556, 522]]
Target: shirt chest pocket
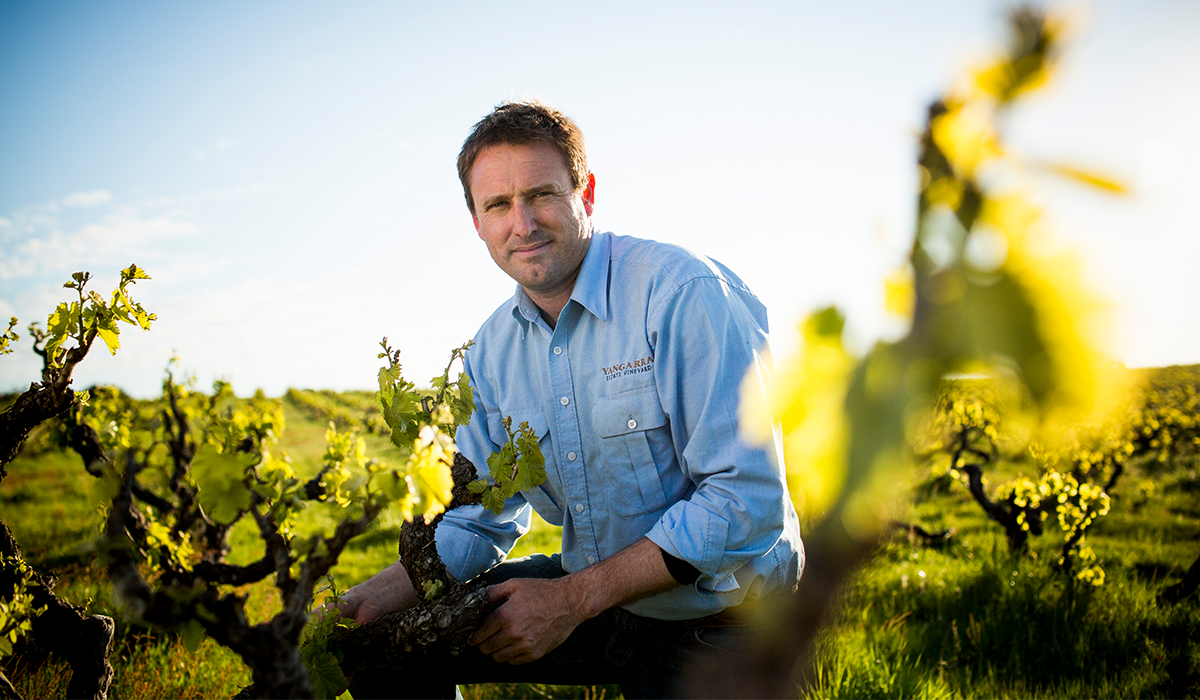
[[630, 426]]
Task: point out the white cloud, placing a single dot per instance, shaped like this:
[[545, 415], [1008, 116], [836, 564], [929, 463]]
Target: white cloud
[[122, 234], [87, 199]]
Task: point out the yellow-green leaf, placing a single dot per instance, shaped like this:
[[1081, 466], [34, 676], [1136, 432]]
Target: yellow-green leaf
[[221, 478]]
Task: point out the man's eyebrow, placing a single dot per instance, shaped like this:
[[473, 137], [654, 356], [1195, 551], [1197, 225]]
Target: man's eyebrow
[[544, 187]]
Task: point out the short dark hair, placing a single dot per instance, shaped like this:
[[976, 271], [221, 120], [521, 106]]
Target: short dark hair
[[524, 123]]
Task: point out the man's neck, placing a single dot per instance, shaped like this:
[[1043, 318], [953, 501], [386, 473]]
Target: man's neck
[[550, 307]]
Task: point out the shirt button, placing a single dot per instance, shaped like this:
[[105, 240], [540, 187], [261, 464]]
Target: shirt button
[[632, 424], [557, 350], [564, 401], [591, 559], [571, 456], [578, 507]]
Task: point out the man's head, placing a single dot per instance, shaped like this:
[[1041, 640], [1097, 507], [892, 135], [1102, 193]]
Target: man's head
[[531, 201], [520, 123]]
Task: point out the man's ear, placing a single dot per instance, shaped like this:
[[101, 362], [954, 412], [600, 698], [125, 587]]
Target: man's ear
[[589, 194], [475, 220]]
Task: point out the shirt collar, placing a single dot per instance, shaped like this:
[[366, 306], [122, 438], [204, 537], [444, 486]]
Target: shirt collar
[[591, 286]]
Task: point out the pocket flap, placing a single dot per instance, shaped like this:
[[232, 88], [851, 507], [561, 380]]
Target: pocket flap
[[629, 412]]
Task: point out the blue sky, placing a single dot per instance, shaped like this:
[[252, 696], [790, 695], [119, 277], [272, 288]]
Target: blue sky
[[285, 171]]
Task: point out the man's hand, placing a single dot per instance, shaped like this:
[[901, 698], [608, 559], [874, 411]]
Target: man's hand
[[385, 592], [535, 616]]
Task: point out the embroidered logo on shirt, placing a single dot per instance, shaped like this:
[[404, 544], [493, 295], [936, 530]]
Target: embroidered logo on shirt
[[624, 369]]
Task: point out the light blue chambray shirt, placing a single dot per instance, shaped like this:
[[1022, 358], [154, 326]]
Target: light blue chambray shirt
[[634, 396]]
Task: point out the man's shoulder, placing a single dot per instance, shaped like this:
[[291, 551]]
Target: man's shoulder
[[667, 260]]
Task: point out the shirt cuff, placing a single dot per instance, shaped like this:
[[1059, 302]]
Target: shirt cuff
[[692, 533]]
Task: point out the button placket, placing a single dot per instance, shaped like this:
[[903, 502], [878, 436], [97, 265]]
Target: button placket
[[573, 479]]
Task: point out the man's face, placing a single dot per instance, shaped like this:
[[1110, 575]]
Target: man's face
[[536, 226]]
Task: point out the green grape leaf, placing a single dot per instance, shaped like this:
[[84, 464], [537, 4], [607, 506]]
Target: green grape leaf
[[402, 414], [493, 500], [324, 671], [462, 405], [108, 332], [221, 478], [60, 325], [388, 378], [500, 462], [133, 272], [531, 465], [432, 590]]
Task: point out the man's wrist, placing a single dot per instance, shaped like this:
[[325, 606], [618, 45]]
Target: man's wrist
[[586, 593]]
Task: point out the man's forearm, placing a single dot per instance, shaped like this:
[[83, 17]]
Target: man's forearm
[[636, 572], [387, 591]]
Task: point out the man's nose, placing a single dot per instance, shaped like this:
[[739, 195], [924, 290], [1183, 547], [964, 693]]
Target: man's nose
[[523, 218]]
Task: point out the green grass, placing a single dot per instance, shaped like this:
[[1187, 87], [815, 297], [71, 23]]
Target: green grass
[[968, 620], [919, 623], [971, 620]]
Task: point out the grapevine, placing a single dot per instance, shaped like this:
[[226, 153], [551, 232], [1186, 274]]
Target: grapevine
[[32, 605]]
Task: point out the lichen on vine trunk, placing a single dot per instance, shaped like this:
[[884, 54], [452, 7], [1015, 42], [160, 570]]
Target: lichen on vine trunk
[[442, 622]]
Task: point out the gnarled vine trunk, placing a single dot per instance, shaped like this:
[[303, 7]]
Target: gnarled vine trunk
[[386, 645]]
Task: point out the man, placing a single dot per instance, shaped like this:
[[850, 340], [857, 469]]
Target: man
[[626, 357]]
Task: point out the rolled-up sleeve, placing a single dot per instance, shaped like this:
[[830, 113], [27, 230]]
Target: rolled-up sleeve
[[706, 335], [472, 539]]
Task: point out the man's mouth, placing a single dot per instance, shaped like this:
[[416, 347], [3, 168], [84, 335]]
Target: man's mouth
[[528, 250]]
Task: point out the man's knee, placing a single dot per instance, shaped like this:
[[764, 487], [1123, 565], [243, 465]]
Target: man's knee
[[533, 566]]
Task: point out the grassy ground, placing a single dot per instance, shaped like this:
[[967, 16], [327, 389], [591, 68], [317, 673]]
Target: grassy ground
[[967, 620], [971, 620]]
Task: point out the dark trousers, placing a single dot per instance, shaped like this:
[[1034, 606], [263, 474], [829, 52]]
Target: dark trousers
[[645, 657]]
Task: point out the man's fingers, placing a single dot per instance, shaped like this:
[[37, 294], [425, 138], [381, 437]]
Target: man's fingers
[[514, 654], [524, 659], [498, 593], [494, 622], [489, 627]]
